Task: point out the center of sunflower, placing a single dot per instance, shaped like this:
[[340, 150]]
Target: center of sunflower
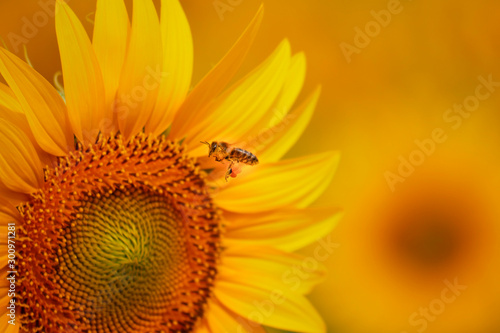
[[429, 242], [126, 250], [122, 238]]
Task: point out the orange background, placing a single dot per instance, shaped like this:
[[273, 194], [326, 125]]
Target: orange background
[[442, 222]]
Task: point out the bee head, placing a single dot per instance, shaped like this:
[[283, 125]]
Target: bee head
[[211, 147]]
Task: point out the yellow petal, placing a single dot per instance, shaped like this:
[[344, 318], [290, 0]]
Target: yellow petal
[[141, 73], [287, 96], [8, 212], [3, 272], [177, 62], [3, 304], [274, 269], [83, 85], [111, 31], [243, 106], [275, 144], [290, 183], [286, 229], [222, 320], [13, 197], [291, 312], [215, 81], [203, 328], [291, 89], [20, 121], [8, 98], [5, 327], [43, 106], [20, 166]]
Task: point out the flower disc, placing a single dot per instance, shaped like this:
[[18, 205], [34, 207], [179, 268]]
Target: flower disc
[[121, 238]]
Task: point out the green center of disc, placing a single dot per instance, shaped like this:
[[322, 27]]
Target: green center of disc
[[124, 259]]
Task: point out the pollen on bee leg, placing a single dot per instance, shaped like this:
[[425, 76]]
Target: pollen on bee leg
[[235, 170]]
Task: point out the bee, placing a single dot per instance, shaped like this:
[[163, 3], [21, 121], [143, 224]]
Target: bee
[[224, 151]]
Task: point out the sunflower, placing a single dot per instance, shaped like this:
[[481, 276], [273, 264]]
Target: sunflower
[[121, 221]]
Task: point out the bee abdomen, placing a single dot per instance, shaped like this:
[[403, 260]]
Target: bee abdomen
[[244, 156]]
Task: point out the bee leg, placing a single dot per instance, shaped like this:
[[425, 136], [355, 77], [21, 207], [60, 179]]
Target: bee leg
[[229, 171]]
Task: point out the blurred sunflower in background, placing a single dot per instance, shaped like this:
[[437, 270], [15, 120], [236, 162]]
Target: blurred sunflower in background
[[122, 222]]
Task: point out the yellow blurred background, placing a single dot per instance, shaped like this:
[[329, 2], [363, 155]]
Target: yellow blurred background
[[418, 245]]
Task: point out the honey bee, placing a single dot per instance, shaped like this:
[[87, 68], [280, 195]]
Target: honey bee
[[224, 151]]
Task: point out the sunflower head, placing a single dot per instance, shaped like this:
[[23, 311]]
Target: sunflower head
[[129, 240]]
